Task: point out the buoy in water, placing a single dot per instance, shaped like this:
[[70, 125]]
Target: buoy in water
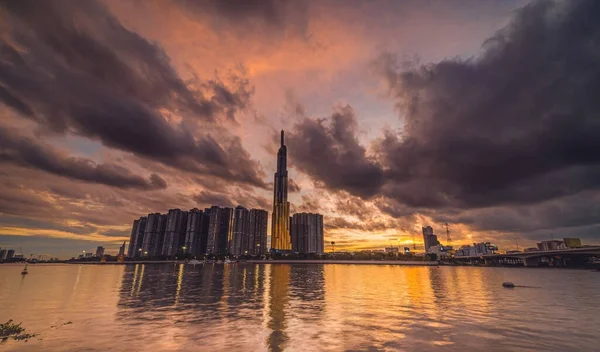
[[508, 284]]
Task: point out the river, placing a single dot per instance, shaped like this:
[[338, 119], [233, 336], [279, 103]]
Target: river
[[300, 307]]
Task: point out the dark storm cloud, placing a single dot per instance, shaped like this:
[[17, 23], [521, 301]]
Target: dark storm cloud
[[277, 17], [231, 198], [23, 151], [520, 124], [212, 198], [328, 150], [73, 68]]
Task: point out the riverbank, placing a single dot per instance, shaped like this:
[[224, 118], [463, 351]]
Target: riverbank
[[279, 261]]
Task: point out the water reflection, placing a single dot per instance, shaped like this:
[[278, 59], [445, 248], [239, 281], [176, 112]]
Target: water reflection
[[279, 307], [279, 282]]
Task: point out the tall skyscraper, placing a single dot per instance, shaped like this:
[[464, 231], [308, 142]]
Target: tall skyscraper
[[137, 237], [307, 233], [174, 232], [10, 254], [429, 239], [3, 254], [258, 232], [154, 235], [280, 232]]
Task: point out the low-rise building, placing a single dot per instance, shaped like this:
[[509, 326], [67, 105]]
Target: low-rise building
[[553, 245]]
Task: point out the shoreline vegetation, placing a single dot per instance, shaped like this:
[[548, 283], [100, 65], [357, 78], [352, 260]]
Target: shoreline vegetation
[[14, 331]]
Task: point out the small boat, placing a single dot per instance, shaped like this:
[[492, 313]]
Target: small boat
[[219, 261], [194, 262], [508, 284], [24, 272]]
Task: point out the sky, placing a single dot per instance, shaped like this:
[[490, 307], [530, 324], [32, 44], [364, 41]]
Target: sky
[[398, 114]]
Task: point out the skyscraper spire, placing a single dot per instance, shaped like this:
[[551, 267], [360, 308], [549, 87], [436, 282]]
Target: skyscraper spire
[[280, 229]]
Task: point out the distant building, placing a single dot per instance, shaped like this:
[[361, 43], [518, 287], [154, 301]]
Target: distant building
[[306, 231], [440, 250], [429, 239], [3, 254], [531, 249], [136, 238], [174, 233], [484, 248], [466, 251], [572, 242], [406, 250], [259, 219], [154, 235], [392, 249], [552, 245], [122, 249], [99, 251], [10, 254]]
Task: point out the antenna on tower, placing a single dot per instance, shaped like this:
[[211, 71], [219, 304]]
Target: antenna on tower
[[448, 239]]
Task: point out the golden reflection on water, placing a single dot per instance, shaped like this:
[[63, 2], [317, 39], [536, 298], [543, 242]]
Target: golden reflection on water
[[277, 307], [278, 298], [179, 283]]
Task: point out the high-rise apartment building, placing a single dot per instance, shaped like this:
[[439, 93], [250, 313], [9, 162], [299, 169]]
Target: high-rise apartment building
[[3, 254], [307, 233], [226, 230], [258, 232], [175, 233], [220, 230], [154, 235], [10, 254], [196, 232], [241, 231], [137, 237], [280, 233]]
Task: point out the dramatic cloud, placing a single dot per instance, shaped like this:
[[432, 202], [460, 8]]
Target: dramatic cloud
[[328, 150], [112, 110], [24, 151], [520, 124], [268, 16], [73, 68]]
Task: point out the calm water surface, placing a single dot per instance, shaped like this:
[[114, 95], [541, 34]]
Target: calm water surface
[[276, 307]]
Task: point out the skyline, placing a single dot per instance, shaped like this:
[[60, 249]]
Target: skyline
[[398, 115]]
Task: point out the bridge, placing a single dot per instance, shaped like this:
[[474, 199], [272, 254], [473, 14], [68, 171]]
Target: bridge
[[559, 257]]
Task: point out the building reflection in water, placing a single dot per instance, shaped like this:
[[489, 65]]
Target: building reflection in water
[[279, 286]]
